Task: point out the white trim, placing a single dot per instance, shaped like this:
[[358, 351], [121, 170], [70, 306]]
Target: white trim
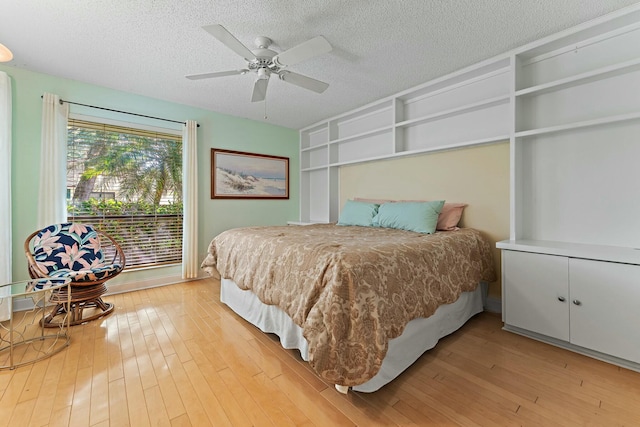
[[23, 304], [136, 285], [575, 348], [574, 250]]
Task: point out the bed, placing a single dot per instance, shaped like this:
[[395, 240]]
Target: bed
[[360, 303]]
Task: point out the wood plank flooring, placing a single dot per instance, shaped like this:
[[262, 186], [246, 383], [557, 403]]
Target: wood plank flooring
[[175, 356]]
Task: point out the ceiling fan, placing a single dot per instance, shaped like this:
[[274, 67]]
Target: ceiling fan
[[264, 62]]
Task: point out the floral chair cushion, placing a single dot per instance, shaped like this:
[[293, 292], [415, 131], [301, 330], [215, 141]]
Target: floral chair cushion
[[72, 250]]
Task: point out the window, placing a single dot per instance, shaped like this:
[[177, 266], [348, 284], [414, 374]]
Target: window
[[128, 183]]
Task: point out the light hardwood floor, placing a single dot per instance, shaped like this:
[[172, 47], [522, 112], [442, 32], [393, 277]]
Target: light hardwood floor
[[175, 356]]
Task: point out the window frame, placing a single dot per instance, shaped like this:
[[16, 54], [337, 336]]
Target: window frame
[[175, 130]]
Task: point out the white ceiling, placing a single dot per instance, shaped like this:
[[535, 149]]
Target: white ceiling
[[380, 47]]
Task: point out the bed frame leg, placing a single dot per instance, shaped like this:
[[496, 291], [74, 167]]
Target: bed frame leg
[[344, 389]]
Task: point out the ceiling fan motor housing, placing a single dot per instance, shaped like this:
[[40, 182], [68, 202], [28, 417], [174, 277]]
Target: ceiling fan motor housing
[[263, 64]]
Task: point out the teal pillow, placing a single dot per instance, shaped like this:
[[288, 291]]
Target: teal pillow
[[412, 216], [358, 213]]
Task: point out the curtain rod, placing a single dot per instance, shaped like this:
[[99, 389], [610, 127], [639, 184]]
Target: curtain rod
[[123, 112]]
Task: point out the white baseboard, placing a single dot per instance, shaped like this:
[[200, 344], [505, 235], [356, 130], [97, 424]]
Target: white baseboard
[[628, 364], [136, 285], [493, 304], [23, 304]]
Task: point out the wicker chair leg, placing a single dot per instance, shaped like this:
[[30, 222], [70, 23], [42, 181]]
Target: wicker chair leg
[[59, 309], [76, 313], [105, 308], [83, 298]]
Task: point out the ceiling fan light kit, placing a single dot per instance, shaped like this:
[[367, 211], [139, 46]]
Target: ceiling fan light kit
[[263, 61], [263, 73], [5, 54]]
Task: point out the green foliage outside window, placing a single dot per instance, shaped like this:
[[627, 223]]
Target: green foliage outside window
[[99, 207]]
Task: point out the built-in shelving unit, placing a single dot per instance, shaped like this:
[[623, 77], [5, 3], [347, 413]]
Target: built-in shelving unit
[[576, 120], [572, 263], [470, 107]]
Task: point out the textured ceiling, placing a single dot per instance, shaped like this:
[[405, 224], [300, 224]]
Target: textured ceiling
[[379, 47]]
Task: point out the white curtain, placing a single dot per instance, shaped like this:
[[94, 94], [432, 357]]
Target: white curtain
[[6, 247], [52, 198], [190, 200]]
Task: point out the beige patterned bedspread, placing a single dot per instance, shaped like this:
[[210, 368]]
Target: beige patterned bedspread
[[351, 289]]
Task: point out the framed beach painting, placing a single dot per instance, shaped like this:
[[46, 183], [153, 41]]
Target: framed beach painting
[[240, 175]]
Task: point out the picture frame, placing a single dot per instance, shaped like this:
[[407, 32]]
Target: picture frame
[[242, 175]]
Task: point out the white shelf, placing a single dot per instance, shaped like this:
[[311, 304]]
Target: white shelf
[[455, 111], [362, 160], [583, 78], [315, 221], [579, 125], [454, 146], [317, 129], [412, 97], [361, 135], [314, 168], [438, 148], [574, 250], [457, 79], [377, 109], [315, 147], [311, 222]]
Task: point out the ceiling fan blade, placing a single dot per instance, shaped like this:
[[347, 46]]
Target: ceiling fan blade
[[304, 81], [305, 50], [221, 33], [259, 90], [216, 74]]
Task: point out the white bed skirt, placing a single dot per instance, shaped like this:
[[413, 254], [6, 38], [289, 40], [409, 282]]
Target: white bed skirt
[[419, 336]]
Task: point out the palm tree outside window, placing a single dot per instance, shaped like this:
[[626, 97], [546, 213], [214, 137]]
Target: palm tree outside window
[[128, 183]]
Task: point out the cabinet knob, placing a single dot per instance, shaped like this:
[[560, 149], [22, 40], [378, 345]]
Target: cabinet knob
[[577, 302], [561, 299]]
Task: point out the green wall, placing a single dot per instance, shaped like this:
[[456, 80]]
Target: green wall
[[216, 131]]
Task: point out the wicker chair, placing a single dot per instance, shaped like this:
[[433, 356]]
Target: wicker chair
[[85, 255]]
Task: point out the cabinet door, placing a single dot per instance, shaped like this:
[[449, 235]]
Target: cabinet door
[[605, 301], [536, 289]]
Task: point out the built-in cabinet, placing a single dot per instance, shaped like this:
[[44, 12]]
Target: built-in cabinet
[[585, 305], [536, 293], [569, 105]]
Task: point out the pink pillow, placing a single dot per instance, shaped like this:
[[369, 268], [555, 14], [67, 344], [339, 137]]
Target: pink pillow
[[447, 220], [450, 216]]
